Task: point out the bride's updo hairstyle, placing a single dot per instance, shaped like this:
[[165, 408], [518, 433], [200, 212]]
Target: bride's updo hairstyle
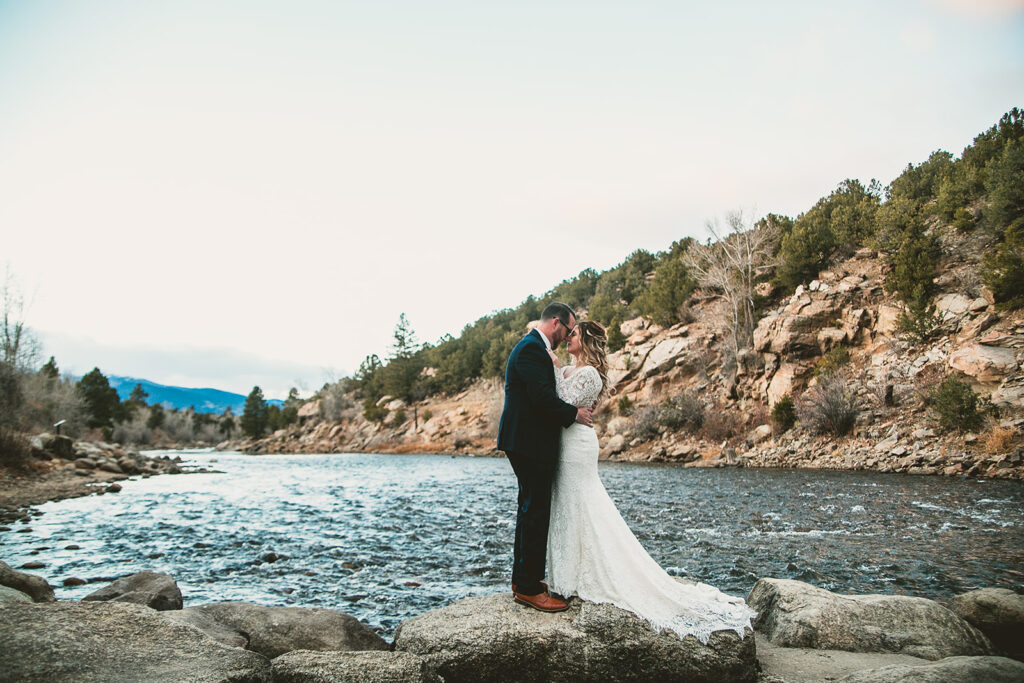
[[594, 342]]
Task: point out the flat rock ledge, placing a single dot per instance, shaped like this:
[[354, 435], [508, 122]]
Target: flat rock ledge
[[273, 631], [94, 642], [490, 638], [305, 666], [796, 614], [948, 670]]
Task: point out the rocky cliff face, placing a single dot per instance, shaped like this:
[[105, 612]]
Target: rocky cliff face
[[888, 376]]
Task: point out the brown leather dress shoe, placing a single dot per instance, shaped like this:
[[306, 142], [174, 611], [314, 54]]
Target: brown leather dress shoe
[[543, 588], [542, 602]]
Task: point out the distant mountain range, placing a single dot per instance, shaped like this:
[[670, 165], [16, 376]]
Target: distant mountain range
[[204, 400]]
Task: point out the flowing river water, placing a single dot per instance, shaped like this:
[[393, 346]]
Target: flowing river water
[[387, 537]]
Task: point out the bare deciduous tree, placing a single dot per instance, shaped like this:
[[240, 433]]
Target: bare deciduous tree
[[18, 347], [731, 264]]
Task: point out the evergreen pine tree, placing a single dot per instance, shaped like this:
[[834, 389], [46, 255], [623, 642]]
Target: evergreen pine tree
[[101, 400], [254, 415]]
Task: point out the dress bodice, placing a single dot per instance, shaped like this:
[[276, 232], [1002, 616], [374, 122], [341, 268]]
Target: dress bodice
[[579, 386]]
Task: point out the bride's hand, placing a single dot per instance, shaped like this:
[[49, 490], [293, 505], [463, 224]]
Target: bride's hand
[[554, 359]]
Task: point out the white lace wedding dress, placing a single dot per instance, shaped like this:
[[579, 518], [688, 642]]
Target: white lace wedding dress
[[593, 554]]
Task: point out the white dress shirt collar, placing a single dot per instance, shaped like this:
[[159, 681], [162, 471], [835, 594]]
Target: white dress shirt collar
[[547, 342]]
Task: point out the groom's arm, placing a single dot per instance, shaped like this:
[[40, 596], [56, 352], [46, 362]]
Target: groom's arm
[[534, 367]]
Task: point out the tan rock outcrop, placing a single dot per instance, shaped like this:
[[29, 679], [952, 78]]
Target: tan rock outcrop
[[984, 363]]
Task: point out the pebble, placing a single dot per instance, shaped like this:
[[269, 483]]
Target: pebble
[[74, 581], [33, 565]]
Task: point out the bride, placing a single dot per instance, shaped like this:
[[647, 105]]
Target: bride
[[592, 554]]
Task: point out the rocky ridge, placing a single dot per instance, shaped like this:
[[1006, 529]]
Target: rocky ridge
[[846, 307]]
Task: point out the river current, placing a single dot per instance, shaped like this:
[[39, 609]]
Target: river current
[[387, 537]]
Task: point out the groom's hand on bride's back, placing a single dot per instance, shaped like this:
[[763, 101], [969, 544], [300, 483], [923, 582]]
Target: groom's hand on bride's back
[[585, 416]]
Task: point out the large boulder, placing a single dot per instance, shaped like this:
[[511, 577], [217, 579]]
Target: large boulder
[[305, 666], [793, 332], [998, 613], [152, 589], [103, 641], [948, 670], [796, 614], [490, 638], [274, 631], [31, 585], [984, 363]]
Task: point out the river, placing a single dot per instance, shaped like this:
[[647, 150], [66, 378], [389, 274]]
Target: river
[[386, 537]]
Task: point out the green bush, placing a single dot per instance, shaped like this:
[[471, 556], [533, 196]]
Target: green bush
[[913, 266], [804, 250], [1003, 269], [426, 415], [399, 417], [832, 361], [919, 321], [664, 298], [372, 411], [625, 406], [784, 414], [957, 405], [616, 340]]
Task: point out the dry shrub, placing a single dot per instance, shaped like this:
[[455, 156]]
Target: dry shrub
[[15, 452], [645, 423], [683, 411], [829, 407], [1000, 439], [721, 425], [926, 381]]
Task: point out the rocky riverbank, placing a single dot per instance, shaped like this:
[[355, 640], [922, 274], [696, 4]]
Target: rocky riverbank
[[136, 628], [63, 468]]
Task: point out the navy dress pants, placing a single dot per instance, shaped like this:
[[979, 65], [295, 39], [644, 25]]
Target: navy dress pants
[[532, 517]]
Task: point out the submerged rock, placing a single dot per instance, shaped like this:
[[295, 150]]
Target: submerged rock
[[104, 641], [274, 631], [491, 638], [152, 589], [948, 670], [796, 614], [36, 587], [305, 666], [998, 613]]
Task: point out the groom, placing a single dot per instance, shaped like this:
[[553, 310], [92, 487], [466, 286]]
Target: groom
[[531, 425]]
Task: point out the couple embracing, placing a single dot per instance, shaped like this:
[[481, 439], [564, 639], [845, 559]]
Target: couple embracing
[[566, 521]]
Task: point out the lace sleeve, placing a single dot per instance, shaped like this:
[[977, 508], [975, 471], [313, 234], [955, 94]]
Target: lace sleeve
[[580, 388]]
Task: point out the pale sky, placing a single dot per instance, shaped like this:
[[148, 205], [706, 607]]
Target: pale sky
[[221, 194]]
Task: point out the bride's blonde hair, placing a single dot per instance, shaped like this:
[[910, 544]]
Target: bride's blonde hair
[[594, 343]]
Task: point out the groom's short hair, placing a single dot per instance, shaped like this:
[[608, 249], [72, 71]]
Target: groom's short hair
[[556, 309]]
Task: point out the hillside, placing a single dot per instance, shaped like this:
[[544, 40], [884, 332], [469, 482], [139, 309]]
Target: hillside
[[845, 307]]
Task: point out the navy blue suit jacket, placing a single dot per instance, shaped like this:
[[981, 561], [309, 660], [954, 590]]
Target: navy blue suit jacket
[[534, 416]]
